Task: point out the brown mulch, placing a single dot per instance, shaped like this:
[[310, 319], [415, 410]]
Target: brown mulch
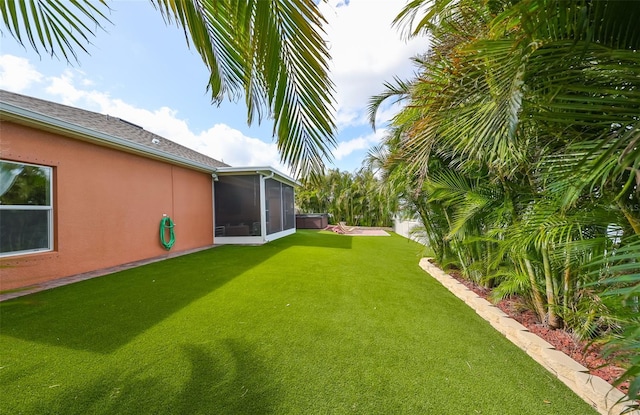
[[589, 356]]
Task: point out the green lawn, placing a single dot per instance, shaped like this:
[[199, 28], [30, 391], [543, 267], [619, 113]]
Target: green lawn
[[310, 324]]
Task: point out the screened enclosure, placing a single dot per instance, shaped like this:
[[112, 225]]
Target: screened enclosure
[[253, 205]]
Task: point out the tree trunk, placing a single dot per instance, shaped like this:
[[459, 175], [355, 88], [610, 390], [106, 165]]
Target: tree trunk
[[566, 289], [488, 282], [538, 302], [553, 320]]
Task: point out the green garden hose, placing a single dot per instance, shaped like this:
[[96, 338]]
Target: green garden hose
[[167, 223]]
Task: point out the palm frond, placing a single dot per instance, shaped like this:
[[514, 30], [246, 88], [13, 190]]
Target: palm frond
[[55, 26], [623, 277], [272, 53], [399, 90], [511, 283]]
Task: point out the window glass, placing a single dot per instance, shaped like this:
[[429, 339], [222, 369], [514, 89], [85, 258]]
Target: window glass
[[25, 208], [24, 230], [24, 184]]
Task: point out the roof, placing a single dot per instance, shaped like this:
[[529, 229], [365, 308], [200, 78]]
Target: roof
[[101, 129], [265, 171]]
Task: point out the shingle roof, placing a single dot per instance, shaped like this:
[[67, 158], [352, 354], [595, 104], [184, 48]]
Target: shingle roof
[[109, 125]]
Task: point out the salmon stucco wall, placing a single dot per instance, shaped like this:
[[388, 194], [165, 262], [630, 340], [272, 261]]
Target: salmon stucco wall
[[107, 206]]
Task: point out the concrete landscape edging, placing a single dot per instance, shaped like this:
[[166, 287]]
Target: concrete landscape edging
[[597, 392]]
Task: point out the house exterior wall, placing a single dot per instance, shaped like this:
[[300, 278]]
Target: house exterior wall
[[107, 206]]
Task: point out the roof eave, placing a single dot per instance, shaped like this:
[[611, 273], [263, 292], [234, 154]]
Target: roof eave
[[263, 170], [40, 121]]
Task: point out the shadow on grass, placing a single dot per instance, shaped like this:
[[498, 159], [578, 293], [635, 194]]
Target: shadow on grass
[[102, 314], [245, 388], [230, 381]]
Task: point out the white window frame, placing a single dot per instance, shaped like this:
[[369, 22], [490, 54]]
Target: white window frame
[[48, 208]]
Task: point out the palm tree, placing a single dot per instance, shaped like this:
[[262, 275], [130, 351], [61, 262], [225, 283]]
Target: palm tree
[[623, 269], [531, 109], [270, 52], [514, 91], [404, 182], [356, 198]]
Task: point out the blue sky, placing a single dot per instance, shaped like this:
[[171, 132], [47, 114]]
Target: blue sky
[[142, 71]]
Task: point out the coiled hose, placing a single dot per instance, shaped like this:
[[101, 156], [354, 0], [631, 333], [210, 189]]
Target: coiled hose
[[167, 223]]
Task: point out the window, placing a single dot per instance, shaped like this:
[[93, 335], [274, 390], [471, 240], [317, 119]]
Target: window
[[26, 208]]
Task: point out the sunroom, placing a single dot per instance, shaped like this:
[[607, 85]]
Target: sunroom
[[253, 205]]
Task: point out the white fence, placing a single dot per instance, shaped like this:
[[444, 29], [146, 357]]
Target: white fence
[[404, 227]]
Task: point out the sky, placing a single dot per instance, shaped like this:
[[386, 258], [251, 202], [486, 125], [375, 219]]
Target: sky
[[142, 71]]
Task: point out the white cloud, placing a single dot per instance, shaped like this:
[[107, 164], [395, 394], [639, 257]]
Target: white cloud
[[345, 148], [62, 86], [366, 51], [235, 148], [17, 74]]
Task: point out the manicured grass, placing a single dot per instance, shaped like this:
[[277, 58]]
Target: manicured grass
[[310, 324]]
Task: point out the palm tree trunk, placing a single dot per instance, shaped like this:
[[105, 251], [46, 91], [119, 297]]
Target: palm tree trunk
[[553, 320], [566, 289], [435, 238], [538, 302], [488, 282], [456, 247]]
